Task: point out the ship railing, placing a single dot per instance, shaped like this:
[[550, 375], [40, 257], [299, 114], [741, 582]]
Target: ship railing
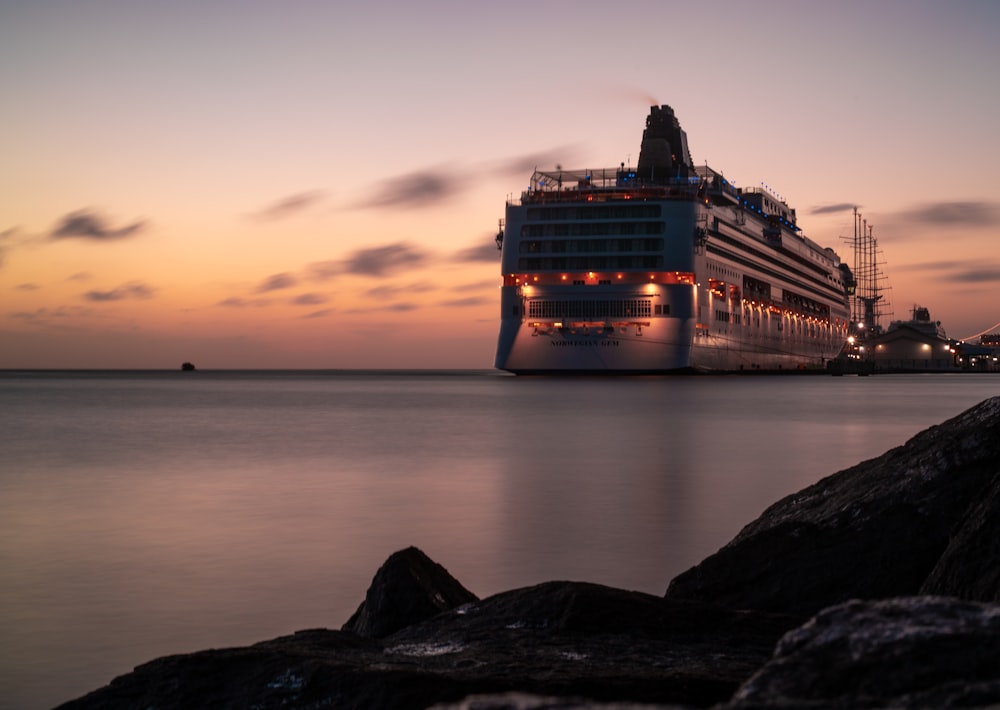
[[603, 185], [715, 182], [622, 184], [557, 180]]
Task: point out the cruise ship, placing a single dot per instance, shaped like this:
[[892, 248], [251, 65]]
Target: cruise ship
[[666, 267]]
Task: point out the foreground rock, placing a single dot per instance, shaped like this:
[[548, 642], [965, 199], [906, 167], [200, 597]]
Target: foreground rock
[[561, 639], [410, 587], [917, 652], [969, 568], [911, 652], [880, 529]]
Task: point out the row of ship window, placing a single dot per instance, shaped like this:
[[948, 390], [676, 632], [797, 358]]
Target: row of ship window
[[587, 246], [796, 325], [591, 229], [589, 263], [590, 212], [637, 308], [609, 308]]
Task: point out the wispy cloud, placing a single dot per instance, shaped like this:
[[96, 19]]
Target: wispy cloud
[[983, 274], [62, 316], [928, 266], [310, 299], [90, 224], [469, 301], [319, 314], [965, 272], [238, 302], [477, 286], [277, 282], [130, 291], [388, 291], [289, 206], [957, 213], [401, 307], [432, 186], [485, 252], [419, 189], [834, 208], [27, 287], [13, 238], [384, 260], [323, 270], [5, 238], [522, 166]]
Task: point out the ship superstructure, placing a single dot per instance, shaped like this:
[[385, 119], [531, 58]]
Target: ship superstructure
[[662, 268]]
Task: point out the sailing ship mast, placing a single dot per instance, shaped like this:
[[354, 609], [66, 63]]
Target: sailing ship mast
[[869, 304]]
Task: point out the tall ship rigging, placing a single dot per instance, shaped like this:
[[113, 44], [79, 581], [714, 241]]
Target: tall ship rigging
[[667, 267]]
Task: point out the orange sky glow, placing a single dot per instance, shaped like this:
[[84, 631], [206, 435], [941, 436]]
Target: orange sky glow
[[317, 185]]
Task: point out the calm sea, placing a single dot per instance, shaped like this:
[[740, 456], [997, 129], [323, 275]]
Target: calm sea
[[144, 514]]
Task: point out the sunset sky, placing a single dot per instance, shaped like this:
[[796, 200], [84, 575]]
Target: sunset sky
[[317, 184]]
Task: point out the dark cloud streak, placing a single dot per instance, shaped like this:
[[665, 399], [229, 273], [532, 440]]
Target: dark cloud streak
[[958, 213], [432, 186], [834, 208], [524, 165], [90, 224], [323, 270], [130, 291], [477, 286], [46, 317], [382, 261], [967, 272], [486, 252], [309, 299], [237, 302], [420, 189], [981, 275], [464, 302], [276, 282], [319, 314], [289, 206], [6, 238], [388, 291]]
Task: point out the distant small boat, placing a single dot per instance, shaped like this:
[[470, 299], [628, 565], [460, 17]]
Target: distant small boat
[[187, 367]]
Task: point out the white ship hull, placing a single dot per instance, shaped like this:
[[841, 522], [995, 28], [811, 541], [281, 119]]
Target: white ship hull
[[665, 344], [619, 272]]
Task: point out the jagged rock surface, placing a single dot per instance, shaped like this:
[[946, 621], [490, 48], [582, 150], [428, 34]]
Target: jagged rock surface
[[408, 588], [566, 639], [873, 531], [916, 652], [524, 701], [970, 566]]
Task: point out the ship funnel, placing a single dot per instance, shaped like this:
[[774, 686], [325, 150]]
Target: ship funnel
[[664, 153]]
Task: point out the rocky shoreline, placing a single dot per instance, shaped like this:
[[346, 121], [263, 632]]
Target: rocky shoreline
[[876, 587]]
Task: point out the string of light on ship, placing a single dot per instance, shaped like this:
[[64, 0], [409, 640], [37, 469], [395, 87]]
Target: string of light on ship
[[762, 213], [781, 219], [767, 306]]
